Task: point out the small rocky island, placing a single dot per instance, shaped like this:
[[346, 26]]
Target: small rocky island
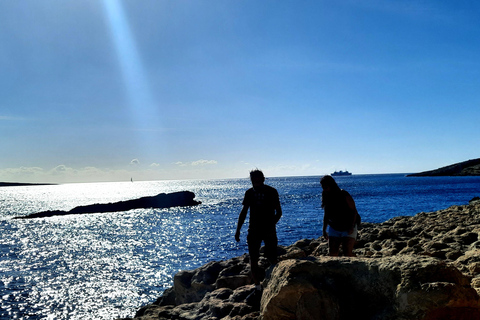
[[162, 200], [466, 168], [422, 267]]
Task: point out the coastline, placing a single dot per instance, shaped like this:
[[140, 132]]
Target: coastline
[[420, 267], [21, 184], [466, 168]]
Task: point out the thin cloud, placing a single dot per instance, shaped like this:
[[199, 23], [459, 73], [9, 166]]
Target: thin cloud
[[61, 174], [201, 162], [22, 171], [61, 169], [204, 162]]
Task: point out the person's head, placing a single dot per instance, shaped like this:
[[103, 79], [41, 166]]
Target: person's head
[[257, 178], [329, 184]]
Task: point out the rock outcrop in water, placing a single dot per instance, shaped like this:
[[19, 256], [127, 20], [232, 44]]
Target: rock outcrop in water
[[162, 200], [423, 267], [466, 168]]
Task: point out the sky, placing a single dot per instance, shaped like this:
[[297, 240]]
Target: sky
[[106, 90]]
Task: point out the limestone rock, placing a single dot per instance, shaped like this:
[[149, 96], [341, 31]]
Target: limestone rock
[[192, 286], [223, 303], [402, 287]]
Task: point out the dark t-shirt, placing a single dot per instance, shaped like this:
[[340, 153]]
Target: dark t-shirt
[[262, 203], [338, 214]]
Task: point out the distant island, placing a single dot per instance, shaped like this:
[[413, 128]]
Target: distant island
[[162, 200], [20, 184], [466, 168]]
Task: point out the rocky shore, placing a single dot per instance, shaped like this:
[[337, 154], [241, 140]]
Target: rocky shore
[[422, 267]]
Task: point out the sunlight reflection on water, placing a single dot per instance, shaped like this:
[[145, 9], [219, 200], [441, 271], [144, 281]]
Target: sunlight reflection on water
[[84, 259], [102, 266]]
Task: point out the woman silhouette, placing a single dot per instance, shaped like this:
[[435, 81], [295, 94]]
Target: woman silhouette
[[340, 216]]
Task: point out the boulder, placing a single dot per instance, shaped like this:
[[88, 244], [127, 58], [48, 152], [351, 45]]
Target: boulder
[[402, 287]]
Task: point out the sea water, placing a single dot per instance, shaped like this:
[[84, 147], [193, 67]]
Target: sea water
[[107, 265]]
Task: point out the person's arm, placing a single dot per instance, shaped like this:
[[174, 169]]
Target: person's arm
[[241, 220], [353, 208], [278, 207], [278, 212], [325, 223]]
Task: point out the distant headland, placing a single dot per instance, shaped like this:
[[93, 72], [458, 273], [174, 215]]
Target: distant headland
[[465, 168], [20, 184]]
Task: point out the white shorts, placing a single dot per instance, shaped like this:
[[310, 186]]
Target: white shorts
[[342, 234]]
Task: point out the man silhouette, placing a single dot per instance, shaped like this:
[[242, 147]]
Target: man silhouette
[[265, 211]]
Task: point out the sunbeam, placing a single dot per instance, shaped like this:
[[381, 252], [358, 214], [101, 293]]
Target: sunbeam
[[143, 110]]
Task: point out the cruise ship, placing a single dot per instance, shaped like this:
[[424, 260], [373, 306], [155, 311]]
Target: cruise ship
[[341, 173]]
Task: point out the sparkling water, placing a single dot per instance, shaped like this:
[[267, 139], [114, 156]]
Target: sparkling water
[[107, 265]]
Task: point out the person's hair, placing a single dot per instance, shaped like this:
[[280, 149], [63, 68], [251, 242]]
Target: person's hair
[[256, 174], [328, 181]]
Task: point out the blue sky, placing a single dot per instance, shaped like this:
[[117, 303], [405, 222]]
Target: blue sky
[[103, 90]]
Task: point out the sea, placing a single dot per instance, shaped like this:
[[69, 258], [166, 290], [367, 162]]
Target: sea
[[108, 265]]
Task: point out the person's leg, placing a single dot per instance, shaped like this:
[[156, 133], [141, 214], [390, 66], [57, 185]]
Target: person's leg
[[254, 244], [348, 242], [334, 246], [347, 246], [255, 270], [271, 243]]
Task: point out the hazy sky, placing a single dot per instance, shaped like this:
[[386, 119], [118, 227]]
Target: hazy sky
[[94, 90]]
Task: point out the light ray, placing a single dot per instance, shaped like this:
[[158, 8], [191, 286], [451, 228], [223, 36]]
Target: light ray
[[142, 107]]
